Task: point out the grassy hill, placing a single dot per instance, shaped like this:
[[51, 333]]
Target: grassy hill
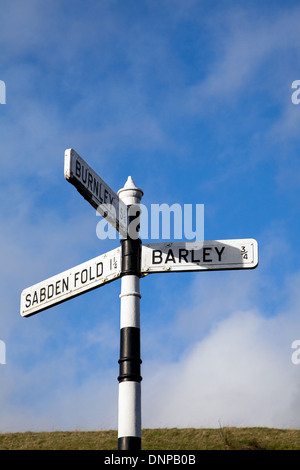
[[159, 439]]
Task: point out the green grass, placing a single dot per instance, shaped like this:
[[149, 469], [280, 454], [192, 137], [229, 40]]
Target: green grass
[[159, 439]]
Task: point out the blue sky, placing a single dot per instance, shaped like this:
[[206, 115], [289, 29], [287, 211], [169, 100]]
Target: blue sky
[[193, 100]]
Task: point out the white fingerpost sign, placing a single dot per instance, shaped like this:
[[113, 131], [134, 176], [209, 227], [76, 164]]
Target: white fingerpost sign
[[71, 283], [199, 256]]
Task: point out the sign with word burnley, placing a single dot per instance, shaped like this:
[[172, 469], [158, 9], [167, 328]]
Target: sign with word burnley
[[95, 190]]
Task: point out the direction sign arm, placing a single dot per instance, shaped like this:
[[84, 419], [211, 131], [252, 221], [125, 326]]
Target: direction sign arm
[[199, 256], [101, 197], [71, 283]]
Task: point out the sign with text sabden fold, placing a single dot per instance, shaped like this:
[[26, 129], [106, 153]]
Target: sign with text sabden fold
[[71, 283], [89, 184], [199, 256]]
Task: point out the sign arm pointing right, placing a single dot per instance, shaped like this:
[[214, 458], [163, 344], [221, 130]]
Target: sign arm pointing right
[[205, 255]]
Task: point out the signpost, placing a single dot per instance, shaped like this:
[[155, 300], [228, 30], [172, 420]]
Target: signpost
[[130, 261]]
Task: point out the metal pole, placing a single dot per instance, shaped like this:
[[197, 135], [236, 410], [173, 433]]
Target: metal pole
[[129, 406]]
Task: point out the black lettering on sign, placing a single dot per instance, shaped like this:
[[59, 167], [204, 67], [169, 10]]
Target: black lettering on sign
[[65, 284], [220, 252], [91, 275], [84, 175], [76, 278], [84, 276], [35, 298], [47, 292], [78, 169], [189, 256], [183, 254], [193, 259], [100, 197], [88, 274], [42, 294], [170, 256], [28, 300], [93, 184], [156, 255], [99, 269], [57, 287], [96, 187], [206, 254], [90, 181], [50, 291]]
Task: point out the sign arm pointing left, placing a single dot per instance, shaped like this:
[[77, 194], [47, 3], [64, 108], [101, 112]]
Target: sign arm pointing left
[[71, 283]]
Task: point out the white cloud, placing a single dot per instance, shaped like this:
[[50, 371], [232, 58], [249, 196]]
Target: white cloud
[[240, 374], [235, 332]]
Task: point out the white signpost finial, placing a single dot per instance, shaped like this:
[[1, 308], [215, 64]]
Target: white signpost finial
[[130, 193]]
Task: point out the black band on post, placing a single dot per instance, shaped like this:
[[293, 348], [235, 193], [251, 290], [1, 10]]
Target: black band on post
[[131, 256], [129, 443], [130, 362]]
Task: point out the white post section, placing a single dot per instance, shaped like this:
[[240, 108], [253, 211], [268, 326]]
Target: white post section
[[129, 418]]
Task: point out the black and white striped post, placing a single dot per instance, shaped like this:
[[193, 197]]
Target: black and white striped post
[[129, 405]]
